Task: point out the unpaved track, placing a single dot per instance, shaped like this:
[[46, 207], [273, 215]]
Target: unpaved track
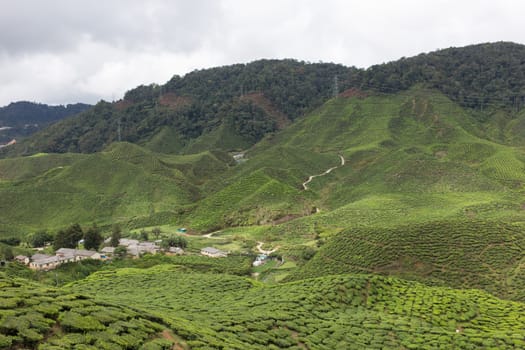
[[305, 184]]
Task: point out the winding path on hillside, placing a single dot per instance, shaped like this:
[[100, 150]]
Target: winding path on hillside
[[267, 252], [210, 235], [305, 184]]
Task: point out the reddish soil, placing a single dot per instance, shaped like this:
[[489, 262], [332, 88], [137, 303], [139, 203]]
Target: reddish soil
[[286, 218], [167, 335], [173, 101], [122, 105], [261, 101], [353, 92]]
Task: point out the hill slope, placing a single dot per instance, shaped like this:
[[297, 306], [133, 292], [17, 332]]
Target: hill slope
[[40, 317], [248, 100], [123, 183], [347, 311], [415, 151], [233, 107]]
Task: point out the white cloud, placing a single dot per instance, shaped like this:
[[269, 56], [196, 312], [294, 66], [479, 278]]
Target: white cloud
[[62, 51]]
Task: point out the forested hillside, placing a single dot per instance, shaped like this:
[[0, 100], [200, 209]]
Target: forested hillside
[[25, 118], [227, 108], [233, 107]]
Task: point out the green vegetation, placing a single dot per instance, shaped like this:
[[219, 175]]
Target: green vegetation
[[195, 107], [347, 311], [25, 118], [462, 254], [34, 316], [417, 188]]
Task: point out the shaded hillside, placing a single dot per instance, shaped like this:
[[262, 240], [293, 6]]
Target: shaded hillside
[[483, 76], [25, 118]]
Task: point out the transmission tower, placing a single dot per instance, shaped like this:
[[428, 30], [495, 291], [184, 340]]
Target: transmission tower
[[118, 129], [335, 91]]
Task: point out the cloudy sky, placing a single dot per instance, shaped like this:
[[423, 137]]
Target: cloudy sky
[[63, 51]]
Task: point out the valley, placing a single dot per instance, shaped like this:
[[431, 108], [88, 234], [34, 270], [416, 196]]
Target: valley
[[391, 212]]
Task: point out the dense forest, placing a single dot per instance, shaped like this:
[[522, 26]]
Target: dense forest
[[233, 107], [199, 103], [477, 76]]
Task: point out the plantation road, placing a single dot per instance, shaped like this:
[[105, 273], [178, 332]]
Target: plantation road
[[305, 184], [267, 252]]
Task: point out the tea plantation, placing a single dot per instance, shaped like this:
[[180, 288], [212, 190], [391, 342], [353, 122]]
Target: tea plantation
[[345, 311], [33, 316], [461, 254]]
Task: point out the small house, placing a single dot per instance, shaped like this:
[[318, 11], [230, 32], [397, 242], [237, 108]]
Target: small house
[[175, 251], [22, 259], [260, 260], [213, 252]]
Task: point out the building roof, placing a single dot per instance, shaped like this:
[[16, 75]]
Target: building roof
[[127, 242], [211, 250], [83, 252], [48, 259], [110, 250], [65, 251], [75, 252], [38, 257]]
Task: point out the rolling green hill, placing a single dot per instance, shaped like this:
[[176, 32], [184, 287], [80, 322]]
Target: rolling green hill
[[125, 183], [462, 254], [34, 316], [414, 151], [346, 311]]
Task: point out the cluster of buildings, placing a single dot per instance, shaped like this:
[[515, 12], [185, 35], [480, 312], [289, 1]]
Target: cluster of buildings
[[63, 255], [66, 255], [134, 248]]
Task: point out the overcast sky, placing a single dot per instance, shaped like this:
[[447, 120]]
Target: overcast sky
[[64, 51]]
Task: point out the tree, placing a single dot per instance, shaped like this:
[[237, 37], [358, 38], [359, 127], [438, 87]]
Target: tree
[[40, 239], [6, 252], [115, 235], [120, 252], [175, 241], [92, 238], [144, 235], [69, 237], [12, 241], [156, 232]]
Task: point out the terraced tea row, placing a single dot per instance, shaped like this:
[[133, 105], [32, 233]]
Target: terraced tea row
[[347, 311], [461, 254]]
